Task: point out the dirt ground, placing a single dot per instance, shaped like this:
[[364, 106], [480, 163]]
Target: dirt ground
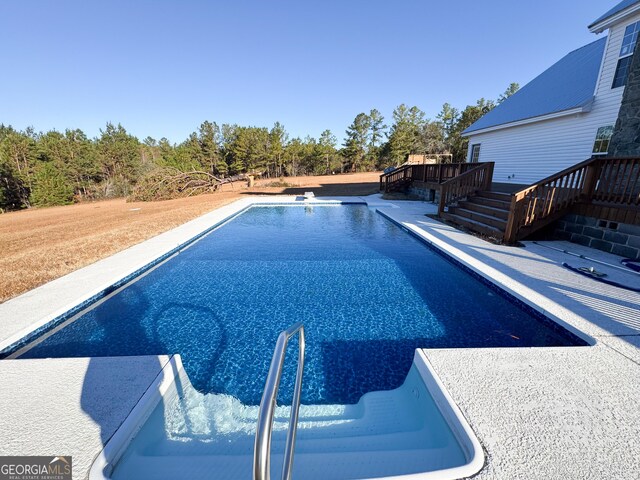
[[40, 245]]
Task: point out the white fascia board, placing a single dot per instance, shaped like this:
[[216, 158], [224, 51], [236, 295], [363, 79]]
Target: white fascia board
[[563, 113], [612, 20], [604, 56]]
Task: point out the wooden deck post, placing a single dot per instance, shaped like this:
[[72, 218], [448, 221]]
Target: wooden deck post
[[489, 176], [591, 178], [510, 230], [441, 203]]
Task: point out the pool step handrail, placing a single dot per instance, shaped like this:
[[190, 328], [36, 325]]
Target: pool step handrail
[[262, 446]]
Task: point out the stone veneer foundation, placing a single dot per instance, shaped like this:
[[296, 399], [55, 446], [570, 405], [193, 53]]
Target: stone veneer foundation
[[625, 141], [613, 237], [427, 194]]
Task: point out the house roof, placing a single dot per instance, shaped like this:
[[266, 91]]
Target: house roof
[[614, 11], [567, 85]]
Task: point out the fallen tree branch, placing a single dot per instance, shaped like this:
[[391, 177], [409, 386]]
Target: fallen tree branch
[[166, 183]]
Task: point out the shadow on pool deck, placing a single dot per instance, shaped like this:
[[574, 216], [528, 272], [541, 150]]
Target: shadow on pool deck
[[612, 309]]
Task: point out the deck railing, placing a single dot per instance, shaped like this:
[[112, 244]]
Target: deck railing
[[614, 181], [601, 180], [476, 178], [618, 182], [431, 172], [398, 176]]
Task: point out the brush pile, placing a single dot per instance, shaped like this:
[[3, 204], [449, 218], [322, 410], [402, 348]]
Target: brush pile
[[166, 183]]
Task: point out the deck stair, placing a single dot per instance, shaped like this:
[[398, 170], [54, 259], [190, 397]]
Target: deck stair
[[467, 200], [485, 212]]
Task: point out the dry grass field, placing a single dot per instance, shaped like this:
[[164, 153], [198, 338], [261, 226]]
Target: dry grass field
[[39, 245]]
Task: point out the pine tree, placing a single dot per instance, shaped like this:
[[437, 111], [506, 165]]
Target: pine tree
[[50, 187], [327, 152], [377, 131], [357, 140], [277, 141], [511, 89], [209, 142], [404, 137], [119, 158], [18, 153]]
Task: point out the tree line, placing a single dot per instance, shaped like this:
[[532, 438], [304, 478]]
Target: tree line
[[58, 168]]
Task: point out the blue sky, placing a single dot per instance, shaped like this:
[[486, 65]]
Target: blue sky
[[161, 68]]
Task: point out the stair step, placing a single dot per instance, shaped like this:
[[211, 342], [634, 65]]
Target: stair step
[[478, 227], [387, 433], [470, 204], [482, 218], [502, 196], [490, 202], [317, 465], [308, 441]]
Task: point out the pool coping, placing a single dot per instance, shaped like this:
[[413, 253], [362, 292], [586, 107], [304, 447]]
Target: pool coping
[[103, 465]]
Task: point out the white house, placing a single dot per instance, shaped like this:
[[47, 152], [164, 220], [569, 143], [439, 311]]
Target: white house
[[566, 114]]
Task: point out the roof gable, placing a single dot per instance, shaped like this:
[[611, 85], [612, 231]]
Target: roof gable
[[619, 8], [568, 84]]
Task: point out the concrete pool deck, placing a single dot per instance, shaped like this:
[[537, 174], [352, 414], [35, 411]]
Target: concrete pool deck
[[547, 412], [538, 412]]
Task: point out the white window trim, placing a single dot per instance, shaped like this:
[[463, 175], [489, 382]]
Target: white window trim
[[623, 35], [620, 57], [604, 55], [596, 139], [470, 160], [615, 72]]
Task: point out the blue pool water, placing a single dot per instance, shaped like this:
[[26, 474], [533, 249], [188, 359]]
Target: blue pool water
[[367, 292]]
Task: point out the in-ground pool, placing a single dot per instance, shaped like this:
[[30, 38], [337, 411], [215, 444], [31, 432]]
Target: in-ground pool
[[367, 292]]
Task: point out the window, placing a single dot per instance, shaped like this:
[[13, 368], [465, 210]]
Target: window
[[603, 136], [630, 38], [475, 153], [626, 54], [622, 70]]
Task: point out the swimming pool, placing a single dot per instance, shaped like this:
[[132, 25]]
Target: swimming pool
[[176, 432], [368, 293]]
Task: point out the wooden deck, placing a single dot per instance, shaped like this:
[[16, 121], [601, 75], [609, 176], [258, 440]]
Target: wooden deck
[[601, 187], [431, 176], [598, 184]]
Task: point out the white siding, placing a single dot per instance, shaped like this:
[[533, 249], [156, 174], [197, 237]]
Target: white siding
[[611, 55], [528, 153]]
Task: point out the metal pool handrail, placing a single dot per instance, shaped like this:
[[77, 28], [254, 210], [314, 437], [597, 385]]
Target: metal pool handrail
[[262, 447]]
